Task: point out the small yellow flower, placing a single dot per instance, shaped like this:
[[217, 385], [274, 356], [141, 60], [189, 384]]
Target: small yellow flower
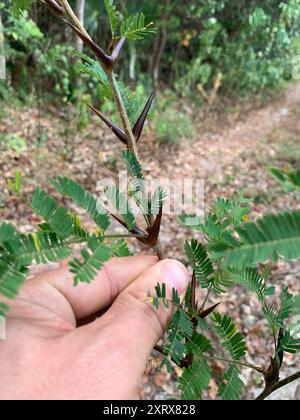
[[149, 299], [246, 218], [286, 170]]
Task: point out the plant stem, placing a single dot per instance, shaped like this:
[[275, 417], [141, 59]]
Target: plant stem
[[269, 390], [235, 362], [206, 298], [129, 235], [113, 236], [256, 368], [131, 142], [123, 114]]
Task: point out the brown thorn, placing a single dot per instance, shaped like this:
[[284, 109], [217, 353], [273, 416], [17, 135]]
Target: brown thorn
[[281, 353], [208, 311], [105, 59], [193, 292], [134, 231], [113, 127], [155, 229], [139, 125], [272, 373]]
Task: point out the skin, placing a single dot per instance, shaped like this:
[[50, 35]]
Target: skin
[[56, 348]]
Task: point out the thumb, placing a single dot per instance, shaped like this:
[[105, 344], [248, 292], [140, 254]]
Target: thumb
[[134, 321]]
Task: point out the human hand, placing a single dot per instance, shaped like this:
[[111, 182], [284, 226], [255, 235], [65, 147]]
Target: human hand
[[48, 356]]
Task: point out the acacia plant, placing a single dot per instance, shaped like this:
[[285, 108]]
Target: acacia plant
[[227, 248]]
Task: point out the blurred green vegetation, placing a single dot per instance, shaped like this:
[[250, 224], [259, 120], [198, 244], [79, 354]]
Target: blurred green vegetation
[[201, 49]]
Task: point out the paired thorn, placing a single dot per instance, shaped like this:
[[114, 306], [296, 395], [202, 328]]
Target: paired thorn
[[113, 127], [151, 237], [193, 293], [208, 311], [108, 61], [153, 232], [139, 125], [271, 375], [105, 59], [280, 353]]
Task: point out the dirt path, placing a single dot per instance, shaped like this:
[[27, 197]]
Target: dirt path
[[228, 153], [224, 145]]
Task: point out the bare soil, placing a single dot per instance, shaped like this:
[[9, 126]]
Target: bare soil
[[232, 150]]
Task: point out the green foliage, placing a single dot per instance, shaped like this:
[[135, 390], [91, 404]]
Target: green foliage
[[135, 28], [12, 275], [180, 329], [290, 180], [33, 63], [15, 186], [156, 201], [196, 377], [202, 265], [231, 248], [252, 280], [14, 142], [133, 101], [290, 305], [12, 272], [252, 54], [194, 380], [83, 199], [7, 231], [19, 6], [112, 15], [250, 46], [94, 255], [233, 386], [92, 68], [3, 309], [289, 344], [170, 123], [223, 218], [18, 251], [41, 247], [23, 29], [161, 296], [208, 278], [271, 313], [233, 341], [120, 248], [133, 165], [271, 237], [58, 217], [120, 202]]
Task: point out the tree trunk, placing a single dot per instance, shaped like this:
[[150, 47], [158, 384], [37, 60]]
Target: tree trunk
[[160, 43], [2, 56], [80, 4]]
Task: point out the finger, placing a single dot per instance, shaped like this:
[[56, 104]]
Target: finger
[[87, 299], [134, 324]]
